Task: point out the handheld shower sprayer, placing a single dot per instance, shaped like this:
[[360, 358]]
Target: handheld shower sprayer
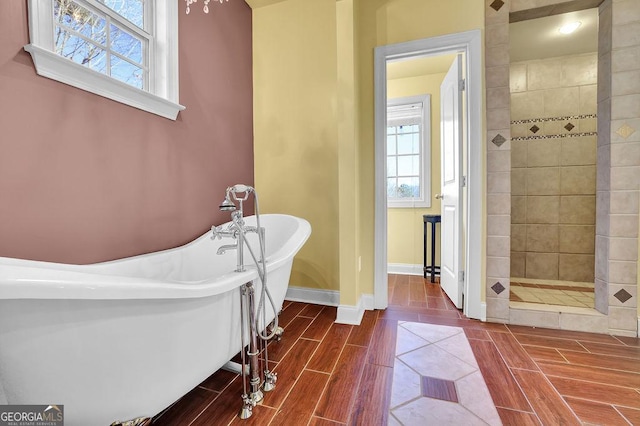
[[233, 191], [227, 205]]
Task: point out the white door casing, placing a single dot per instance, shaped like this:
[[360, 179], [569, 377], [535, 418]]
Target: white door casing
[[451, 190], [470, 43]]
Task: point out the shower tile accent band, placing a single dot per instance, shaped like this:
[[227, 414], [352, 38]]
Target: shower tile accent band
[[545, 119], [565, 135]]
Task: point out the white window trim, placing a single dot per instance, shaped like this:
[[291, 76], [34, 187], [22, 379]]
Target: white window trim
[[424, 201], [162, 99]]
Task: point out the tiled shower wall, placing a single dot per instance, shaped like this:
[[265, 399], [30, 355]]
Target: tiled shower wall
[[553, 168], [618, 175]]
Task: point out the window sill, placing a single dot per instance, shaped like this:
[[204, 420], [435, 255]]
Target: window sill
[[51, 65], [409, 204]]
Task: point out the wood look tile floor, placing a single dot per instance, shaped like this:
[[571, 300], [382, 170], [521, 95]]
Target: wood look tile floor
[[335, 374]]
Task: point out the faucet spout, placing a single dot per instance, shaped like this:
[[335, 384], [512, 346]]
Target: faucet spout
[[223, 249]]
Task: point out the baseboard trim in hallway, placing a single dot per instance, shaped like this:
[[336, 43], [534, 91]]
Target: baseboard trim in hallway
[[405, 269], [313, 295]]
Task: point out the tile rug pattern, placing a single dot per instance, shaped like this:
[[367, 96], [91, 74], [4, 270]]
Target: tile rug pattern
[[442, 356]]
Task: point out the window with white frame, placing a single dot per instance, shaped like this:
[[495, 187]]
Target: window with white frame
[[408, 152], [125, 50]]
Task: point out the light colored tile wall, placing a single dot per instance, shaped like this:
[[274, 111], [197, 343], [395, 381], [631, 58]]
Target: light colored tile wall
[[576, 267], [617, 211], [534, 318], [592, 322], [603, 194], [578, 151], [553, 173], [618, 162], [499, 188], [541, 265], [542, 238], [576, 239]]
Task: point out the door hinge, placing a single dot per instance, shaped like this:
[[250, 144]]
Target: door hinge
[[461, 277], [463, 84], [463, 181]]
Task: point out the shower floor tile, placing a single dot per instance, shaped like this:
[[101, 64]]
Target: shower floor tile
[[377, 373], [579, 295]]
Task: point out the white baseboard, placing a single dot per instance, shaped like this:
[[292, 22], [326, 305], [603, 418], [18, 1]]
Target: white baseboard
[[483, 311], [349, 314], [405, 269], [367, 302], [313, 295]]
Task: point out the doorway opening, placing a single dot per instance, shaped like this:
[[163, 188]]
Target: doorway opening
[[467, 45]]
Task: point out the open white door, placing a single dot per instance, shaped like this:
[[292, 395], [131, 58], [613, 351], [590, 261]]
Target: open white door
[[451, 280]]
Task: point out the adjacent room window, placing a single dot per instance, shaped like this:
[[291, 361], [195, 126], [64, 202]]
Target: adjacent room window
[[408, 152], [125, 50]]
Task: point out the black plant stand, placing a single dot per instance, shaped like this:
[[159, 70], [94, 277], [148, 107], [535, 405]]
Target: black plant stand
[[432, 269]]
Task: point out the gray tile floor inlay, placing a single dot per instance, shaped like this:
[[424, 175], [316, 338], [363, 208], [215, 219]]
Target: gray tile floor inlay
[[438, 357]]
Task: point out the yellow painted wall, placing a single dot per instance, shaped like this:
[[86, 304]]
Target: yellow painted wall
[[348, 161], [295, 127], [405, 225], [382, 22], [313, 120]]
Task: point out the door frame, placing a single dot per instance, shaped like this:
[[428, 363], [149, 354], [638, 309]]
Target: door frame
[[469, 42]]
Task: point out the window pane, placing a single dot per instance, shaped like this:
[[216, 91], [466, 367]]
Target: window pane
[[409, 165], [408, 187], [77, 18], [127, 72], [406, 145], [80, 51], [408, 128], [392, 188], [133, 10], [126, 44], [391, 166], [391, 145], [416, 143]]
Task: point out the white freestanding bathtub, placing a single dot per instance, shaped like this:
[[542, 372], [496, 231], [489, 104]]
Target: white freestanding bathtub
[[123, 339]]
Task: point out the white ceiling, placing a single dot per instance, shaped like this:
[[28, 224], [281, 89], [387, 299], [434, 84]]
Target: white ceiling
[[540, 38], [530, 39]]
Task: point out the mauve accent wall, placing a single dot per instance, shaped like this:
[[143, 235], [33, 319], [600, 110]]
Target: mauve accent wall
[[86, 179]]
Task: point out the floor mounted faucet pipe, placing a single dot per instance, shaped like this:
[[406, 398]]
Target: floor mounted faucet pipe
[[247, 407], [254, 363]]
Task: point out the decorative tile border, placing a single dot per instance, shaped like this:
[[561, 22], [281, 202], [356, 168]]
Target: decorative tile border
[[545, 119], [568, 127], [565, 135]]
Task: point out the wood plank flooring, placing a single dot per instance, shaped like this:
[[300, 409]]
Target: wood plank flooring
[[335, 374]]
